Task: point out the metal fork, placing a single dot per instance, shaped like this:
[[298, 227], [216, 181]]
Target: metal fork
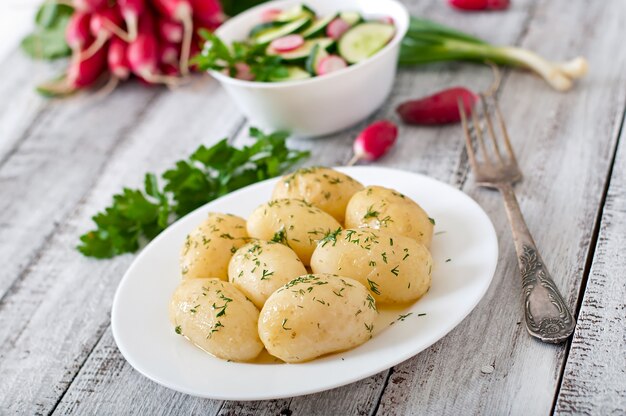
[[547, 316]]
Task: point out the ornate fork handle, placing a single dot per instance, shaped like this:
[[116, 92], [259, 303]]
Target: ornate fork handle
[[547, 316]]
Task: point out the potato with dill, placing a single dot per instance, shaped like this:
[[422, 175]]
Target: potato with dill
[[216, 317], [316, 314], [324, 188], [388, 210], [209, 247], [292, 222], [260, 267], [395, 268]]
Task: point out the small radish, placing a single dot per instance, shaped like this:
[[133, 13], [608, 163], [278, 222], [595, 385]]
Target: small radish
[[103, 25], [89, 6], [330, 63], [81, 73], [170, 69], [337, 28], [208, 11], [168, 53], [179, 11], [387, 19], [243, 72], [479, 4], [117, 60], [170, 31], [269, 15], [77, 33], [131, 10], [287, 43], [439, 108], [374, 141]]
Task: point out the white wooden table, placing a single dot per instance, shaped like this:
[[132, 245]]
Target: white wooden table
[[60, 162]]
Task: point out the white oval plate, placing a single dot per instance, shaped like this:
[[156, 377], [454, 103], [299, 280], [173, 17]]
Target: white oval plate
[[146, 338]]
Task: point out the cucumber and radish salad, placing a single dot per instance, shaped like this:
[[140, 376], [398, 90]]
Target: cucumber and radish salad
[[296, 43]]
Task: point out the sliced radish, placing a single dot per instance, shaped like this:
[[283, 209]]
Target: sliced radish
[[287, 43], [243, 72], [387, 19], [337, 28], [330, 63], [269, 15]]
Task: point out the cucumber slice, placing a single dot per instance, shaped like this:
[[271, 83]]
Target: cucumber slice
[[270, 34], [303, 51], [351, 18], [294, 73], [317, 54], [317, 27], [294, 13], [262, 27], [364, 40]]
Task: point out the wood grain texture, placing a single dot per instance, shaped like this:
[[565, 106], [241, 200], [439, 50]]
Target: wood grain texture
[[564, 143], [54, 317], [594, 381]]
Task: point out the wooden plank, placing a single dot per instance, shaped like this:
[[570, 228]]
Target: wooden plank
[[594, 381], [564, 143], [434, 151], [55, 164], [21, 104], [59, 310]]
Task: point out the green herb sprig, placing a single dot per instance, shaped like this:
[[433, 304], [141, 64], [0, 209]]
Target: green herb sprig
[[139, 215], [217, 56]]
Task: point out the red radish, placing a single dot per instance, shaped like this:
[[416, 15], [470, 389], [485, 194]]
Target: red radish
[[374, 141], [77, 31], [387, 19], [168, 53], [269, 15], [337, 28], [439, 108], [89, 6], [208, 11], [81, 73], [131, 10], [287, 43], [243, 72], [103, 25], [179, 11], [330, 63], [169, 69], [117, 60], [479, 4], [170, 31], [143, 53]]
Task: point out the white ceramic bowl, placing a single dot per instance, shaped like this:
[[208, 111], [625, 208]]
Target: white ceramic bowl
[[325, 104]]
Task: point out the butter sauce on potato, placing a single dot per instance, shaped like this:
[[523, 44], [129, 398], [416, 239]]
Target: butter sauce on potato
[[209, 247], [260, 267], [292, 222], [324, 188], [396, 269], [388, 210], [216, 317], [316, 314]]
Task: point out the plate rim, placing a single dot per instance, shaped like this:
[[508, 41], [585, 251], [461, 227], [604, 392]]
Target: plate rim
[[372, 370]]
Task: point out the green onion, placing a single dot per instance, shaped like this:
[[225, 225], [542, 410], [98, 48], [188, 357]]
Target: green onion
[[427, 42]]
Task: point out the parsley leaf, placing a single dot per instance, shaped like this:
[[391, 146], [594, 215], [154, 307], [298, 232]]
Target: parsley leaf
[[139, 215]]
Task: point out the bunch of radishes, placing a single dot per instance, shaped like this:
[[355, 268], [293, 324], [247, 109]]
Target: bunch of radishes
[[149, 39]]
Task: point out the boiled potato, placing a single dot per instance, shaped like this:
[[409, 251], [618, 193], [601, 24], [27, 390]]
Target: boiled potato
[[261, 267], [216, 317], [324, 188], [388, 210], [394, 268], [208, 249], [292, 222], [315, 315]]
